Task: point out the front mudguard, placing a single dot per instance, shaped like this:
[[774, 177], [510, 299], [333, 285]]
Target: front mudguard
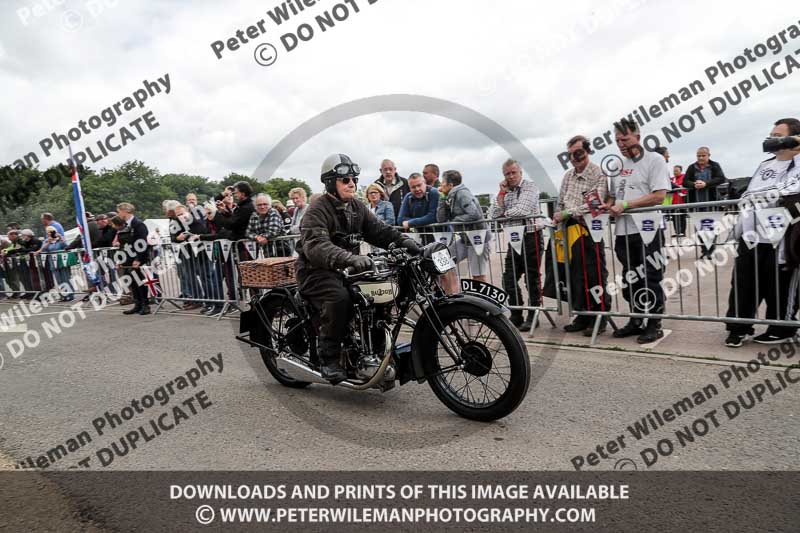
[[424, 340]]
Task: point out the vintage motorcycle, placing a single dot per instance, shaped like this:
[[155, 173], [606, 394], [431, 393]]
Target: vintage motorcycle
[[462, 345]]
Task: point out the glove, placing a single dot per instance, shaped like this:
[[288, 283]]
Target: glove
[[411, 246], [359, 263]]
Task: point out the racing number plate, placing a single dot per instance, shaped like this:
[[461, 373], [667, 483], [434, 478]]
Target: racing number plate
[[484, 290], [442, 261]]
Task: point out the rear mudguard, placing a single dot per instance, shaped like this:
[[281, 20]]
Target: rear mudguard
[[424, 340], [250, 321]]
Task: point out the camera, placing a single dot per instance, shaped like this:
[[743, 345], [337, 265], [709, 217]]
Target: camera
[[52, 234], [776, 144]]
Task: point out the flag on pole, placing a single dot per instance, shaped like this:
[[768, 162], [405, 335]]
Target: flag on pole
[[89, 266]]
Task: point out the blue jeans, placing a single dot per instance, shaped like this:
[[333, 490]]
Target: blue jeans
[[61, 276]]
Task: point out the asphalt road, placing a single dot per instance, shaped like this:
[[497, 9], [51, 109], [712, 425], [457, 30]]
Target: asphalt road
[[580, 399]]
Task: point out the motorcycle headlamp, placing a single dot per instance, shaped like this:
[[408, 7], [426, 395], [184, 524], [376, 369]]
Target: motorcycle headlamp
[[436, 259]]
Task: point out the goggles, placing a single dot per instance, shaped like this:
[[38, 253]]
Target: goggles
[[343, 169]]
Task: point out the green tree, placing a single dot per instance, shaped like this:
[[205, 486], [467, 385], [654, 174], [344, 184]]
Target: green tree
[[233, 177], [278, 188], [132, 182], [183, 184], [26, 193]]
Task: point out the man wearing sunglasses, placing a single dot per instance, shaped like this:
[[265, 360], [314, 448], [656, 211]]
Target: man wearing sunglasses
[[583, 189], [330, 240]]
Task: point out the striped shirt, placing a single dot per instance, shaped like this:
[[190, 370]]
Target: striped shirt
[[575, 186], [521, 202]]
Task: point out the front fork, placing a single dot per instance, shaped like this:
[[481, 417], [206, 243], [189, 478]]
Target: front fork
[[426, 304]]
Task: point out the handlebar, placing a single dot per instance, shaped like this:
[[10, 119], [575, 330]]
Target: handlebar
[[393, 253], [350, 274]]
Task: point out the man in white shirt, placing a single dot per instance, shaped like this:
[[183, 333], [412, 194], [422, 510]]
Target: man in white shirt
[[754, 268], [642, 182]]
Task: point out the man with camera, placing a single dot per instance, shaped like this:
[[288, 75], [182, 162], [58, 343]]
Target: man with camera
[[755, 264], [330, 238], [231, 220]]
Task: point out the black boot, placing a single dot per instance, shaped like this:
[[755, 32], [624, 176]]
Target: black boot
[[580, 323], [144, 310], [516, 318], [633, 327], [331, 367], [603, 325], [134, 310], [652, 332]]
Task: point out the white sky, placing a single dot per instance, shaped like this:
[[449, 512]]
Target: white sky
[[544, 71]]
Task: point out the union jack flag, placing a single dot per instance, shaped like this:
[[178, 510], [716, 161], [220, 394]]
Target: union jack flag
[[152, 282], [89, 266]]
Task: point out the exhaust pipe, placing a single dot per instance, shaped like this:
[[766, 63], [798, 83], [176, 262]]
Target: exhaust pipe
[[301, 372]]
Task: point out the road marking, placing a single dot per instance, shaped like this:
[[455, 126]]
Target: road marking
[[19, 328]]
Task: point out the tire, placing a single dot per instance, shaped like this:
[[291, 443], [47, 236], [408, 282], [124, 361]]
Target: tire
[[482, 358], [279, 311]]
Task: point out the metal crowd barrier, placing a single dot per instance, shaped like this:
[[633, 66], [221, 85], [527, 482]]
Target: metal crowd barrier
[[198, 272], [538, 269], [516, 258], [27, 275], [689, 280], [202, 273]]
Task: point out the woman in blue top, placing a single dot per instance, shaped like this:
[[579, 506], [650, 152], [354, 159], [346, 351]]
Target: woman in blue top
[[55, 243], [379, 204]]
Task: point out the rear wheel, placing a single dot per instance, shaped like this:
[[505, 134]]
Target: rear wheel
[[491, 374], [290, 328]]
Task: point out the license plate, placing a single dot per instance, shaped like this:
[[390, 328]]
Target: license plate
[[484, 290], [442, 261]]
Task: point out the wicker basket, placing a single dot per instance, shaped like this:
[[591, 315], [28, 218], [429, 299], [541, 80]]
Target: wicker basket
[[267, 273]]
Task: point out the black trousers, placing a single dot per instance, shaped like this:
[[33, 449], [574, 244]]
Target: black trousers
[[139, 290], [325, 290], [745, 281], [525, 263], [642, 277]]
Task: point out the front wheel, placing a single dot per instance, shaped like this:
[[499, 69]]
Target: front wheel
[[490, 377]]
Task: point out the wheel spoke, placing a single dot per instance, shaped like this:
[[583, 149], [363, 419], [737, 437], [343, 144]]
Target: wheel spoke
[[501, 378], [485, 362], [466, 381]]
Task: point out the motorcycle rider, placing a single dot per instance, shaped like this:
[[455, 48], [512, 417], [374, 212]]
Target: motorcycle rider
[[330, 238]]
